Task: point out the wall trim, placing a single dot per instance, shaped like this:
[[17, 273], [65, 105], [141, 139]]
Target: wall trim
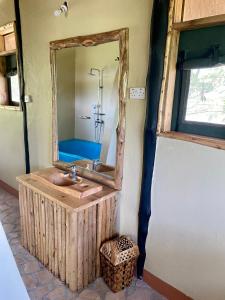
[[164, 288], [9, 189]]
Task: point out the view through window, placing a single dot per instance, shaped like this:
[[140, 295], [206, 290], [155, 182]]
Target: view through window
[[206, 97]]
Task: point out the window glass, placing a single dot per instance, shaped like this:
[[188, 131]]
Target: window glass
[[15, 90], [206, 96]]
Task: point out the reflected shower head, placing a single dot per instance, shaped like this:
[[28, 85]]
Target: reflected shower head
[[90, 73]]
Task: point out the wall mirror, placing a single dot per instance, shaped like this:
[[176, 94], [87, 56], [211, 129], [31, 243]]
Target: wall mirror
[[89, 76]]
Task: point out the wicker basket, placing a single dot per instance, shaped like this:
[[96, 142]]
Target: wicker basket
[[118, 260]]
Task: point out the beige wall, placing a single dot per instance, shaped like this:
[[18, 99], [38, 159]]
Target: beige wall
[[85, 18], [39, 27]]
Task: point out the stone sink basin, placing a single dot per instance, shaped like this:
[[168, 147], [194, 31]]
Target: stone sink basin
[[57, 179], [60, 179]]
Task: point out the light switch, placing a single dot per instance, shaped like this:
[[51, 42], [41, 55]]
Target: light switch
[[137, 93], [28, 99]]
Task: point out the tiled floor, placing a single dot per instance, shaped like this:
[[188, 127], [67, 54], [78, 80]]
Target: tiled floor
[[41, 284]]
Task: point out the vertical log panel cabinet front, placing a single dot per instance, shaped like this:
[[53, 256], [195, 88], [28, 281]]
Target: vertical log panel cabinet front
[[64, 232]]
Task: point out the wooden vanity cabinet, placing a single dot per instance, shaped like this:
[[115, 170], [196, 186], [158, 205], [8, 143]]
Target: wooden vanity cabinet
[[65, 233]]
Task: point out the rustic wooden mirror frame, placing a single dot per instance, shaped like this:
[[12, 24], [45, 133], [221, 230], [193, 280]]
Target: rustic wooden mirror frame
[[120, 35], [176, 24]]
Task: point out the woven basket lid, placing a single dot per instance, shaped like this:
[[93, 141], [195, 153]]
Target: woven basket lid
[[119, 250]]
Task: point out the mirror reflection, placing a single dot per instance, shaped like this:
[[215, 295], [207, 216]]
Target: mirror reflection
[[88, 106]]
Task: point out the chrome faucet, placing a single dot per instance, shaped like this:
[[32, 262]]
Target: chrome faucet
[[95, 164], [73, 173]]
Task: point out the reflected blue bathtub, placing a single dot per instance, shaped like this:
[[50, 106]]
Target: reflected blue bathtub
[[76, 149]]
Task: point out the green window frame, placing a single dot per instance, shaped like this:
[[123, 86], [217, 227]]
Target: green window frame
[[210, 52]]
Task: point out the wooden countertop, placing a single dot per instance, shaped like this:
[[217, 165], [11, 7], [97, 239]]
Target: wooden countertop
[[63, 199]]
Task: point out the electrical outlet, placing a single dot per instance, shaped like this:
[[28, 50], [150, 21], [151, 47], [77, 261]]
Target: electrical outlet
[[137, 93]]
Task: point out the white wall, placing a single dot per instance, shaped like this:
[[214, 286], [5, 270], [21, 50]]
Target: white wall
[[186, 243], [65, 69], [101, 57]]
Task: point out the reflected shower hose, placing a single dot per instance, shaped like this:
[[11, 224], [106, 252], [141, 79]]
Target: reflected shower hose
[[99, 122]]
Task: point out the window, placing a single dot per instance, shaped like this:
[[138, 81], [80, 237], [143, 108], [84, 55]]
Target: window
[[206, 96], [9, 71], [199, 101]]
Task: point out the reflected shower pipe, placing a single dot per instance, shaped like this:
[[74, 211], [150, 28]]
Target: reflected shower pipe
[[93, 72], [99, 122]]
